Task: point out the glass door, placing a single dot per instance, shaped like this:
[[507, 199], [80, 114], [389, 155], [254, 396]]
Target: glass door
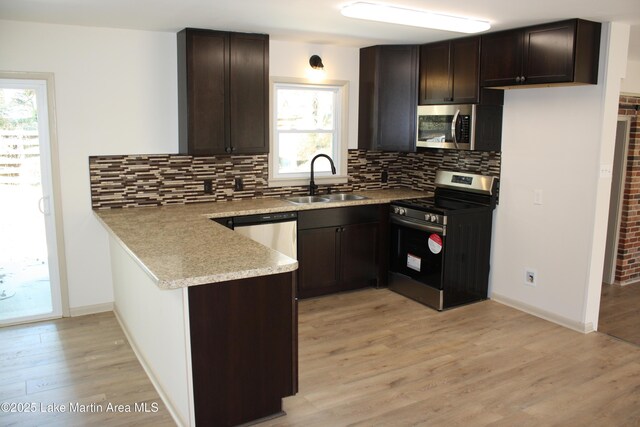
[[29, 278]]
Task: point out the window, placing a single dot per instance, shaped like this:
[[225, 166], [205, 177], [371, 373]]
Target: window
[[307, 119]]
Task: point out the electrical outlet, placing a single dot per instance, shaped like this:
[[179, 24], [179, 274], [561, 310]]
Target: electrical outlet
[[208, 186], [530, 277], [384, 177], [239, 185], [606, 170]]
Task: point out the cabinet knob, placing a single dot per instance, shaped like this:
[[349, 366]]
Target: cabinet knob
[[233, 149], [518, 79], [227, 150], [522, 79]]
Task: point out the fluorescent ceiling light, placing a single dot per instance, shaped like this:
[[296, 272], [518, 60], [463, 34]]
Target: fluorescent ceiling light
[[412, 17]]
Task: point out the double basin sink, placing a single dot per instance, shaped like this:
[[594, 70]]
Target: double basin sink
[[338, 197]]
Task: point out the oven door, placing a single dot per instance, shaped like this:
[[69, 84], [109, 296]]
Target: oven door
[[417, 250]]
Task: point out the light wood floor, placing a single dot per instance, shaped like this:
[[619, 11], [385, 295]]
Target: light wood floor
[[620, 312], [368, 358], [375, 358], [80, 360]]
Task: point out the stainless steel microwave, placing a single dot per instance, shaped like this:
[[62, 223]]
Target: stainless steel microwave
[[446, 126]]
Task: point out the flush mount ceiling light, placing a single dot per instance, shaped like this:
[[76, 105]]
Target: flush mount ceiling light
[[413, 17]]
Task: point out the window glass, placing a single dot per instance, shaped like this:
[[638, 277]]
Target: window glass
[[305, 109], [306, 122], [297, 150]]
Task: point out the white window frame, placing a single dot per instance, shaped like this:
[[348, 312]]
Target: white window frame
[[341, 134]]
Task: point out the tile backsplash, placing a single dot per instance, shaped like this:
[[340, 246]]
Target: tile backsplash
[[164, 179]]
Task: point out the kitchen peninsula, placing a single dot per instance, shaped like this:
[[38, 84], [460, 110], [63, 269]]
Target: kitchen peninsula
[[210, 313]]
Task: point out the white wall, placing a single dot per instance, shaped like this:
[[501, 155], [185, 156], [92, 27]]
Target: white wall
[[115, 93], [290, 59], [554, 140], [631, 82], [157, 326], [614, 62]]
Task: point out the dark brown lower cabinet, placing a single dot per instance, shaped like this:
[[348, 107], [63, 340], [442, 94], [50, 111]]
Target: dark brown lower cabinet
[[358, 254], [318, 261], [340, 249], [243, 348]]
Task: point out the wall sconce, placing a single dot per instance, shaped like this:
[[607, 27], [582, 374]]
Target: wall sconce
[[316, 73], [316, 62]]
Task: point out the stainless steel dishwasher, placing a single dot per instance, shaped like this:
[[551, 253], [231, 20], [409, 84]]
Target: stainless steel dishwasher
[[277, 231]]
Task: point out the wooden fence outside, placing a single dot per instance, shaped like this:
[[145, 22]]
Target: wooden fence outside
[[19, 157]]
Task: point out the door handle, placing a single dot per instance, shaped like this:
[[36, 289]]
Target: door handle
[[418, 226], [43, 205]]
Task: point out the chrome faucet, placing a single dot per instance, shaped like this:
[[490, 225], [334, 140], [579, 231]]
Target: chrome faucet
[[312, 185]]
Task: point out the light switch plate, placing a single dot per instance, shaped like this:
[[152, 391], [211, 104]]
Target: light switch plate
[[537, 197]]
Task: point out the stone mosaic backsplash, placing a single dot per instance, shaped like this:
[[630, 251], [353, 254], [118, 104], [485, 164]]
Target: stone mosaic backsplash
[[164, 179]]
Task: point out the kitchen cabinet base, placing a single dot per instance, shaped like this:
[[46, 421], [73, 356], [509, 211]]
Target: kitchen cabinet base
[[243, 348], [342, 249]]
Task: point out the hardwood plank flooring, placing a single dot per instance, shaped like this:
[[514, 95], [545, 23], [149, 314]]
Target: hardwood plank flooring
[[367, 358], [375, 358], [82, 360], [620, 312]]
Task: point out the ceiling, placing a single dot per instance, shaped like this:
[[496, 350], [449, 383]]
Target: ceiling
[[314, 21]]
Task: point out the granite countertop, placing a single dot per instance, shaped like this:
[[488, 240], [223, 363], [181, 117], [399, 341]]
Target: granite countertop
[[179, 246]]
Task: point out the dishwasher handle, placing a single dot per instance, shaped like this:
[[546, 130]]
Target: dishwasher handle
[[247, 220]]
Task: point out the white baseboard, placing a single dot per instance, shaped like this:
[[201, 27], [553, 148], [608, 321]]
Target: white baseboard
[[627, 283], [149, 372], [90, 309], [584, 328]]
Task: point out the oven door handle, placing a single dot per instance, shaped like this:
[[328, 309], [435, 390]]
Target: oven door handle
[[441, 229]]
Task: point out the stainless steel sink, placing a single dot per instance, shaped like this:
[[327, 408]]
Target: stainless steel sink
[[307, 199], [341, 197], [325, 198]]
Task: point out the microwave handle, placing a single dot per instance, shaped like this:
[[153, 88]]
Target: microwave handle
[[454, 135]]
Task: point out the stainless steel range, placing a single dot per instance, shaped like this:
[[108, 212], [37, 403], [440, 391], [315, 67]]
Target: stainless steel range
[[440, 246]]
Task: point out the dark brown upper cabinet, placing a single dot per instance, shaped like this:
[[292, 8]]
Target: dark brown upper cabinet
[[223, 92], [450, 71], [556, 54], [388, 98]]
